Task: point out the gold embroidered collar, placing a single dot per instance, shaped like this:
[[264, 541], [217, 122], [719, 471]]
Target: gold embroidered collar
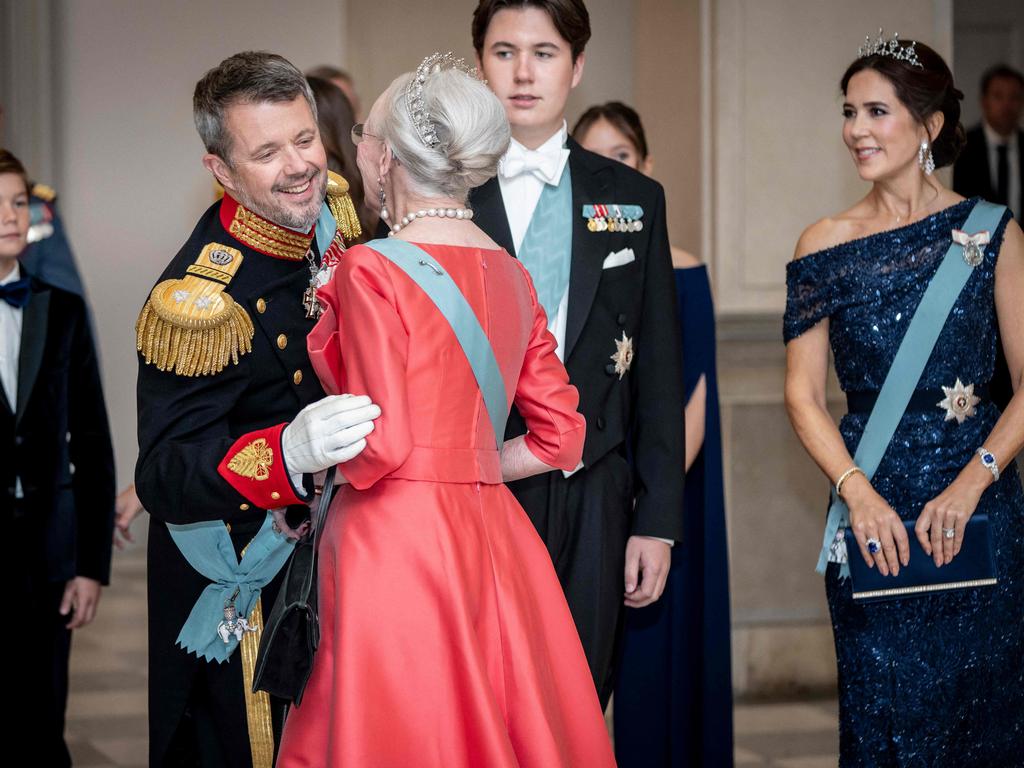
[[262, 235]]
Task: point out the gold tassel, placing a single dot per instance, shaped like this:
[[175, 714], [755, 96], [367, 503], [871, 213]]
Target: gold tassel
[[344, 211], [194, 344]]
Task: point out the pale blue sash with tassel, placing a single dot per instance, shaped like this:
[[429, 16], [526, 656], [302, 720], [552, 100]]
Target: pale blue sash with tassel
[[207, 547], [902, 379], [546, 250]]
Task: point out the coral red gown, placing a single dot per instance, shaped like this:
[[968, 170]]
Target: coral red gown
[[446, 640]]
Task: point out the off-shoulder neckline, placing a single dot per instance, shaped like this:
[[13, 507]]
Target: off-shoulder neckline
[[921, 223]]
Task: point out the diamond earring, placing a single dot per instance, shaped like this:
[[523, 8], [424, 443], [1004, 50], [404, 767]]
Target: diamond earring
[[382, 196], [926, 159]]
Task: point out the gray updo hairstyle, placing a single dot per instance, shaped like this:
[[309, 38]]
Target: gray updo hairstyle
[[471, 127]]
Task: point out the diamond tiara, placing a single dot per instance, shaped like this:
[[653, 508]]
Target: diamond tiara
[[414, 100], [891, 48]]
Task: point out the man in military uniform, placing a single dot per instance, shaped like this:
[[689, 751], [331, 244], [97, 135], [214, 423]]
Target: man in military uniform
[[232, 420]]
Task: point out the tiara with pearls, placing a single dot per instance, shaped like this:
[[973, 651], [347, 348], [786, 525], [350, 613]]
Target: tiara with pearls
[[435, 62], [891, 48]]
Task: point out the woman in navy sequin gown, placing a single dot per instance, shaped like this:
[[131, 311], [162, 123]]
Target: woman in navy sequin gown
[[935, 680], [673, 687]]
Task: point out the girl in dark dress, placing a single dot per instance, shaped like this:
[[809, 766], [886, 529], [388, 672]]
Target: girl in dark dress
[[673, 692], [934, 680]]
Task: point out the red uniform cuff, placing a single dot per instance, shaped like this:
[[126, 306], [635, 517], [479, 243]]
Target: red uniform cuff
[[254, 466]]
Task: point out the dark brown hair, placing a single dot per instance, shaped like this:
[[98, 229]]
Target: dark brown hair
[[624, 118], [1004, 71], [329, 72], [570, 18], [10, 164], [924, 91], [335, 119]]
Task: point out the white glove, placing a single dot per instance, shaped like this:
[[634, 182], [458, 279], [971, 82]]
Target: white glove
[[327, 432]]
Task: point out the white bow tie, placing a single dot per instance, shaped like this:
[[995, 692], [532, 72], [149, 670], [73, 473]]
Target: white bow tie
[[546, 166]]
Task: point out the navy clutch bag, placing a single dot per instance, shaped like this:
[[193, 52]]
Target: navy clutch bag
[[975, 566]]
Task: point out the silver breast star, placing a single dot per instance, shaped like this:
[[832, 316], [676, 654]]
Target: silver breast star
[[623, 357], [959, 402]]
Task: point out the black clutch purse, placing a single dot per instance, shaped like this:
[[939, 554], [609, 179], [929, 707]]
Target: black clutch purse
[[975, 566], [291, 633]]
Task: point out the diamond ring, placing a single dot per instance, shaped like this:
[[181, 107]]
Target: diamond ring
[[874, 545], [949, 533]]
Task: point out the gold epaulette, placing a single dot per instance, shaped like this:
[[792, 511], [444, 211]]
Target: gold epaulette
[[189, 325], [340, 203], [44, 192]]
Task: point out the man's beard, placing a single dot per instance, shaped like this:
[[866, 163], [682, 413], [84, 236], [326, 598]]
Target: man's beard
[[270, 208]]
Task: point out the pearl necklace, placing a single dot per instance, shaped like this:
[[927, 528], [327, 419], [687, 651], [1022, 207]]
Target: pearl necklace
[[449, 213]]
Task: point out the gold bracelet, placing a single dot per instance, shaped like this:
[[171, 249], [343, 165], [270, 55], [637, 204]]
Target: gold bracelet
[[846, 476]]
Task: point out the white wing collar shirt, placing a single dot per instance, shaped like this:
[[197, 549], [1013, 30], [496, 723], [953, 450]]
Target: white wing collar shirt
[[522, 175]]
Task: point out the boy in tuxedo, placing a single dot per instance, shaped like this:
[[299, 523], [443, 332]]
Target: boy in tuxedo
[[592, 234], [58, 500]]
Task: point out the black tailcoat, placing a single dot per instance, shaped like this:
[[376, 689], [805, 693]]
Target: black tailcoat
[[186, 427], [632, 479], [57, 439]]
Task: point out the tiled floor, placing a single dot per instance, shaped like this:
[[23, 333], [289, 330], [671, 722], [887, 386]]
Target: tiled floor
[[106, 725]]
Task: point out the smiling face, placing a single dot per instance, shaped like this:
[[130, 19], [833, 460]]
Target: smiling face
[[14, 219], [277, 165], [530, 68], [882, 135]]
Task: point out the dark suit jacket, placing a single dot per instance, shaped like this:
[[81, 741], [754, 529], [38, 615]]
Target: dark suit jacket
[[59, 438], [639, 416], [971, 175]]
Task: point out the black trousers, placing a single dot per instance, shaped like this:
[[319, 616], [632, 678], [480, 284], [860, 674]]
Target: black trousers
[[585, 521], [41, 646]]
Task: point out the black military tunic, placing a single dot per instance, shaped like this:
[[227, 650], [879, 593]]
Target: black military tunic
[[212, 406]]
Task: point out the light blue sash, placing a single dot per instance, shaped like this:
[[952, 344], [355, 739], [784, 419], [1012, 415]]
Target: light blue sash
[[207, 547], [908, 365], [424, 270], [546, 250], [326, 227]]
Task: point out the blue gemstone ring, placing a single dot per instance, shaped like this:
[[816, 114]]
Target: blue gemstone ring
[[874, 546]]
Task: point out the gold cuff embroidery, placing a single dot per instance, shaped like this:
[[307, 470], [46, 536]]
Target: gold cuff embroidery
[[253, 461]]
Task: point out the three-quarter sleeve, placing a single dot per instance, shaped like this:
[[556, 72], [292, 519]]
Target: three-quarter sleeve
[[361, 346], [546, 400], [810, 296]]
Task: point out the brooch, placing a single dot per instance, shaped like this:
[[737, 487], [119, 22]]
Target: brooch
[[623, 357], [959, 402], [974, 253], [613, 218]]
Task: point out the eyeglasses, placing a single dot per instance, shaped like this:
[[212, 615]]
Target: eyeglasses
[[359, 133]]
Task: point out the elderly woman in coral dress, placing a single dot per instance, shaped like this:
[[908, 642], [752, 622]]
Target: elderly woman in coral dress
[[446, 640]]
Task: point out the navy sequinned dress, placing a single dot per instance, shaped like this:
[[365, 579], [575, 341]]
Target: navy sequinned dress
[[937, 680]]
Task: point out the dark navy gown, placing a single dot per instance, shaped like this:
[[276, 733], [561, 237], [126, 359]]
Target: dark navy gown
[[673, 695], [934, 681]]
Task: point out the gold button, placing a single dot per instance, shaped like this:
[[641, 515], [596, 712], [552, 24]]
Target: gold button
[[243, 507], [261, 306], [275, 495], [282, 341], [297, 377]]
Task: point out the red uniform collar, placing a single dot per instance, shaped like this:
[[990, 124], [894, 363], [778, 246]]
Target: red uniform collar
[[253, 230]]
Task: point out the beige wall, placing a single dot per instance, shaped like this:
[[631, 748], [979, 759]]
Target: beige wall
[[386, 39], [131, 184], [779, 161]]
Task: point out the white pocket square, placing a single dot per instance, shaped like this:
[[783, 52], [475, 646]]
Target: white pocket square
[[619, 258]]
